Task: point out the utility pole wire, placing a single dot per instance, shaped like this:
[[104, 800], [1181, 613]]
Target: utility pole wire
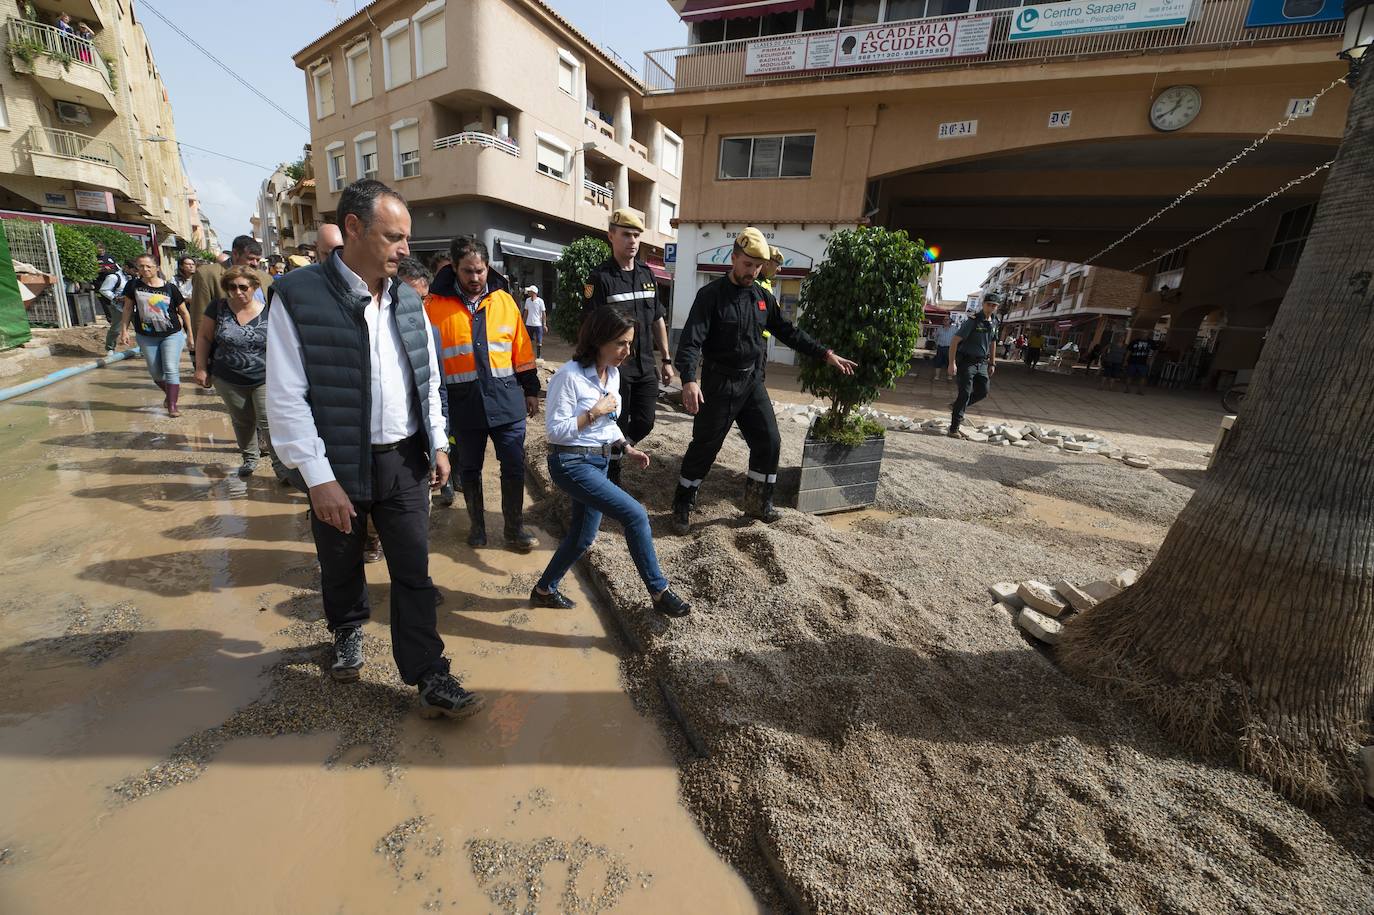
[[268, 168], [225, 67]]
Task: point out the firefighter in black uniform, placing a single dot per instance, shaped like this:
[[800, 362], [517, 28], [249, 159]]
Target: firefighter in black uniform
[[974, 353], [627, 284], [723, 339]]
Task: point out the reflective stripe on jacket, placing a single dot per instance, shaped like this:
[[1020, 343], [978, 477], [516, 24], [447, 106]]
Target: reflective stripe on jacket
[[487, 358]]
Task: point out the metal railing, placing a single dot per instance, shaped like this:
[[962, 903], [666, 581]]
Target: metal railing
[[68, 145], [27, 37], [598, 194], [1213, 24], [476, 138]]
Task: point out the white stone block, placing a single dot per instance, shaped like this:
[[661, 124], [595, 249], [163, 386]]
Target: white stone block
[[1039, 626], [1021, 444], [975, 436], [1101, 589], [1078, 599], [1012, 434], [1133, 460], [1040, 596], [1125, 578], [1076, 447], [1004, 592], [1001, 442]]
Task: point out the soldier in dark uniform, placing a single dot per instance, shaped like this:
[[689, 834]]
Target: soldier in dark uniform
[[974, 352], [723, 340], [627, 284]]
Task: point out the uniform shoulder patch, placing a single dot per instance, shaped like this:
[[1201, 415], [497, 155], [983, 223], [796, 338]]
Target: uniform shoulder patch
[[763, 306], [587, 291]]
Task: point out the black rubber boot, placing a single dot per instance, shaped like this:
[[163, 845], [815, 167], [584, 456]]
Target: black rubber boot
[[513, 507], [767, 512], [477, 530], [684, 500]]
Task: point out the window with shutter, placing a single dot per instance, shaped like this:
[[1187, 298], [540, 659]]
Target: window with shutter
[[324, 91], [396, 50], [408, 151], [431, 52], [367, 157], [360, 73], [551, 160]]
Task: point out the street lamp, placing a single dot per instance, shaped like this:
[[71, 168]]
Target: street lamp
[[1359, 34]]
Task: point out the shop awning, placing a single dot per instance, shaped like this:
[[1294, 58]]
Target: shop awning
[[660, 273], [511, 249], [701, 10]]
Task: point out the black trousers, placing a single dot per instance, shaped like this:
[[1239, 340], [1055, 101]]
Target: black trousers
[[638, 400], [400, 514], [972, 378], [733, 399]]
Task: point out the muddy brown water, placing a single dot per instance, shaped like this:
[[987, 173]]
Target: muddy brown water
[[148, 595]]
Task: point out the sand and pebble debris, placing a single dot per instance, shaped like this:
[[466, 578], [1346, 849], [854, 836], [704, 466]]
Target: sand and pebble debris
[[901, 744], [512, 874]]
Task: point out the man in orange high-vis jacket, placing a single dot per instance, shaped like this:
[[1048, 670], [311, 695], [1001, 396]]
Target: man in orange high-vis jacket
[[488, 364]]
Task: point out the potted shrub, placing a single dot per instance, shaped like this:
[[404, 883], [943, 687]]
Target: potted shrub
[[865, 300], [577, 262]]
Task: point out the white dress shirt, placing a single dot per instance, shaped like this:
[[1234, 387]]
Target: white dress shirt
[[574, 390], [295, 438]]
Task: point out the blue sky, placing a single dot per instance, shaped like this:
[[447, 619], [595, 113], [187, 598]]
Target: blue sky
[[257, 39]]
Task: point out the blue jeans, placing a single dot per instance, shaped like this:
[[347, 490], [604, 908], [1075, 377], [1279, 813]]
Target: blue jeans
[[163, 355], [583, 477], [509, 442]]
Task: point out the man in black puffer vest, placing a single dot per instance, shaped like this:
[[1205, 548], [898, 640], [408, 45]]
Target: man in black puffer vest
[[353, 393]]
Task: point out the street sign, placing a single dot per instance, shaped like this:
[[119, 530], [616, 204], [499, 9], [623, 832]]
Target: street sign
[[670, 256]]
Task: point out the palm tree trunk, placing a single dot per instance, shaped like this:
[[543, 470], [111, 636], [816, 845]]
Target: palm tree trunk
[[1252, 633]]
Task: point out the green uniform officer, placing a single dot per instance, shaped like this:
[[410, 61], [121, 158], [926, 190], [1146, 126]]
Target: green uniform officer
[[974, 351]]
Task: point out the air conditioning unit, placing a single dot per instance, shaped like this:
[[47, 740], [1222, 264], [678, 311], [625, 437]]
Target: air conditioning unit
[[72, 113]]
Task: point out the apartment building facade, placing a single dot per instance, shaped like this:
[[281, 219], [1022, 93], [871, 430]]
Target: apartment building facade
[[972, 125], [86, 125], [493, 117], [1064, 301]]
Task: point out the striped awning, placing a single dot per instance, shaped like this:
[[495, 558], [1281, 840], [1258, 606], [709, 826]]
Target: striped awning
[[700, 10]]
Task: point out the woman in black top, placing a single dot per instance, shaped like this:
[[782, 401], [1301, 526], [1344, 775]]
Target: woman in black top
[[231, 355], [161, 328]]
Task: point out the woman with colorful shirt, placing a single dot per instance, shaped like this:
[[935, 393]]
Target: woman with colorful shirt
[[231, 356], [162, 320]]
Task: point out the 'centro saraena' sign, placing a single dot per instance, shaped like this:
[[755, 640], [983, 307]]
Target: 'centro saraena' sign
[[1055, 20]]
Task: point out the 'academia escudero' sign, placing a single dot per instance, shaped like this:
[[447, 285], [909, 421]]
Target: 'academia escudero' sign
[[1080, 17], [890, 42]]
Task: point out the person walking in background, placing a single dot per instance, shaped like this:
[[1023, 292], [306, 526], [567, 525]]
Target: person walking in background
[[628, 284], [327, 239], [353, 403], [1113, 359], [156, 309], [231, 356], [723, 344], [110, 290], [1034, 345], [205, 288], [185, 278], [1138, 353], [943, 336], [416, 275], [580, 416], [489, 366], [975, 358], [534, 319]]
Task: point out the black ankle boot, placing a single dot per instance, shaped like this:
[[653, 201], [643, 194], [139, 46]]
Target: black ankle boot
[[684, 500], [513, 508], [477, 528], [767, 512]]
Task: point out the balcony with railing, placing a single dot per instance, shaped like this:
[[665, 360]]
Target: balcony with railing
[[478, 138], [1214, 24], [597, 194], [68, 156], [67, 67]]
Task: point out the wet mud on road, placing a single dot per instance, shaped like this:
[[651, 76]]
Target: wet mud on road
[[170, 742]]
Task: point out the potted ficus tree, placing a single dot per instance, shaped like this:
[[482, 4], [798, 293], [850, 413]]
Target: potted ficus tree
[[865, 300], [577, 262]]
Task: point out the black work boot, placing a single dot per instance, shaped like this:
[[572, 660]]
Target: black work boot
[[348, 655], [477, 528], [613, 471], [513, 507], [767, 512], [684, 500]]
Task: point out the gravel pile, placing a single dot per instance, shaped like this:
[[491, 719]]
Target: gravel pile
[[880, 738]]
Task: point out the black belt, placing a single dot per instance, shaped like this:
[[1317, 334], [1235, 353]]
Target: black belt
[[586, 450], [391, 446]]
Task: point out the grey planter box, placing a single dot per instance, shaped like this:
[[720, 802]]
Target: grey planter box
[[838, 477]]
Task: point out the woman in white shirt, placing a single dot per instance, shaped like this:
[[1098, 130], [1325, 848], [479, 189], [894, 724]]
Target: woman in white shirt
[[580, 411]]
